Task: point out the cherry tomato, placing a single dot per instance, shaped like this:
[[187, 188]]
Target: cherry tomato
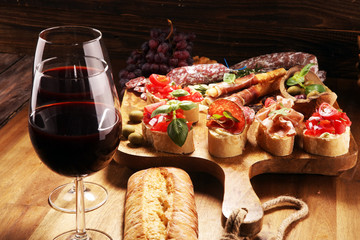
[[339, 126], [345, 119], [328, 112], [269, 101], [161, 126], [150, 108], [159, 80]]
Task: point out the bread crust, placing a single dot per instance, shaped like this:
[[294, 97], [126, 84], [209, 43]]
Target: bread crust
[[226, 145], [332, 146], [278, 146], [160, 204], [162, 142]]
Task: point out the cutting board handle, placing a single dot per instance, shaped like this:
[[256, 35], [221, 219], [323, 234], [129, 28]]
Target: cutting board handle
[[238, 193]]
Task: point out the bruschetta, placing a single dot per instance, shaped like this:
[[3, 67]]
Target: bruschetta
[[227, 124], [278, 126], [164, 126], [160, 88], [327, 132]]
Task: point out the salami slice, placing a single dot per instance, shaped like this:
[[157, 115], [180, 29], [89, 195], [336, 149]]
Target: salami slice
[[287, 60], [219, 106], [198, 74]]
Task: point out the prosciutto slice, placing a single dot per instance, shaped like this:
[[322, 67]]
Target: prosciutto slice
[[279, 118]]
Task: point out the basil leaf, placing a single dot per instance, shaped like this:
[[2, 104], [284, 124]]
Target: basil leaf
[[178, 131], [230, 116], [201, 88], [187, 105], [216, 116], [229, 77], [162, 109], [295, 79], [299, 77], [282, 111], [314, 87], [179, 93], [306, 69]]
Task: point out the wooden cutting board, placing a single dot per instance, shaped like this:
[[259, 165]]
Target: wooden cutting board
[[235, 172]]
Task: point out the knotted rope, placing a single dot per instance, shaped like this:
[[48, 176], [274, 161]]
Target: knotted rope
[[232, 226]]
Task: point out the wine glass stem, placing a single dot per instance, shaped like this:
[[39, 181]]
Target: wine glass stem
[[80, 210]]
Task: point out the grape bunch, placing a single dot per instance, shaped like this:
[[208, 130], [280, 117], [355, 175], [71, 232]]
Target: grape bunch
[[165, 50]]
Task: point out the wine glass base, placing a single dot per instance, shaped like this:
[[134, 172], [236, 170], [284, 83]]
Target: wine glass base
[[91, 234], [63, 198]]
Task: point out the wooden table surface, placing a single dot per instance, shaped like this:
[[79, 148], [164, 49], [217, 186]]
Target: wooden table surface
[[25, 182]]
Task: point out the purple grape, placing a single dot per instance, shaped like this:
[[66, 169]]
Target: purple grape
[[181, 45], [183, 63], [131, 75], [163, 69], [123, 73], [173, 62], [145, 47], [130, 67], [163, 47], [150, 56], [155, 33], [154, 68], [138, 72], [153, 44], [182, 55]]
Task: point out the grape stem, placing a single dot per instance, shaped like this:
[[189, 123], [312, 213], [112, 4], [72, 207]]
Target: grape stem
[[171, 29]]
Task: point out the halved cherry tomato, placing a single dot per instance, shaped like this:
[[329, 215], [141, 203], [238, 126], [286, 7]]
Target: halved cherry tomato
[[161, 126], [327, 119], [159, 80], [339, 126], [269, 101], [150, 108], [345, 119], [328, 112]]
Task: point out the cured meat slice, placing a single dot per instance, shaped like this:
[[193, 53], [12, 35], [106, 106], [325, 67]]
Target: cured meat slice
[[198, 74], [223, 88], [252, 93], [218, 107], [287, 60]]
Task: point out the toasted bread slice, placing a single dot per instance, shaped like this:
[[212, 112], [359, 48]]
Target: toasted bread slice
[[222, 144], [330, 145], [278, 146], [163, 143]]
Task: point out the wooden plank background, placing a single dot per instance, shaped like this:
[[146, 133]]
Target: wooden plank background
[[234, 29]]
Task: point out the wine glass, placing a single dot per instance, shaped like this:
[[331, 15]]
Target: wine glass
[[75, 124], [71, 41]]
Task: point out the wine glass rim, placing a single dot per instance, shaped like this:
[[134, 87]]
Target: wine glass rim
[[41, 34], [96, 73]]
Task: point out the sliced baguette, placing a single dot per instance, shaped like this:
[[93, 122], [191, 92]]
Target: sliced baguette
[[163, 143], [222, 144], [330, 145], [191, 115], [278, 146]]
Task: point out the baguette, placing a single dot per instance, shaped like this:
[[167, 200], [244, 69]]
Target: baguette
[[163, 143], [160, 205], [223, 144], [279, 125], [191, 115], [278, 146], [330, 145]]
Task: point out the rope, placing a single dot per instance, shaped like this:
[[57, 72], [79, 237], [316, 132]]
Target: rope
[[232, 226]]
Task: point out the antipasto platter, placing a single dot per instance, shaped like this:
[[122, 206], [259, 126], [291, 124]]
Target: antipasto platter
[[236, 170]]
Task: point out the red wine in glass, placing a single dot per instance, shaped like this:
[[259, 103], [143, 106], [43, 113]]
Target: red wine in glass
[[75, 123]]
